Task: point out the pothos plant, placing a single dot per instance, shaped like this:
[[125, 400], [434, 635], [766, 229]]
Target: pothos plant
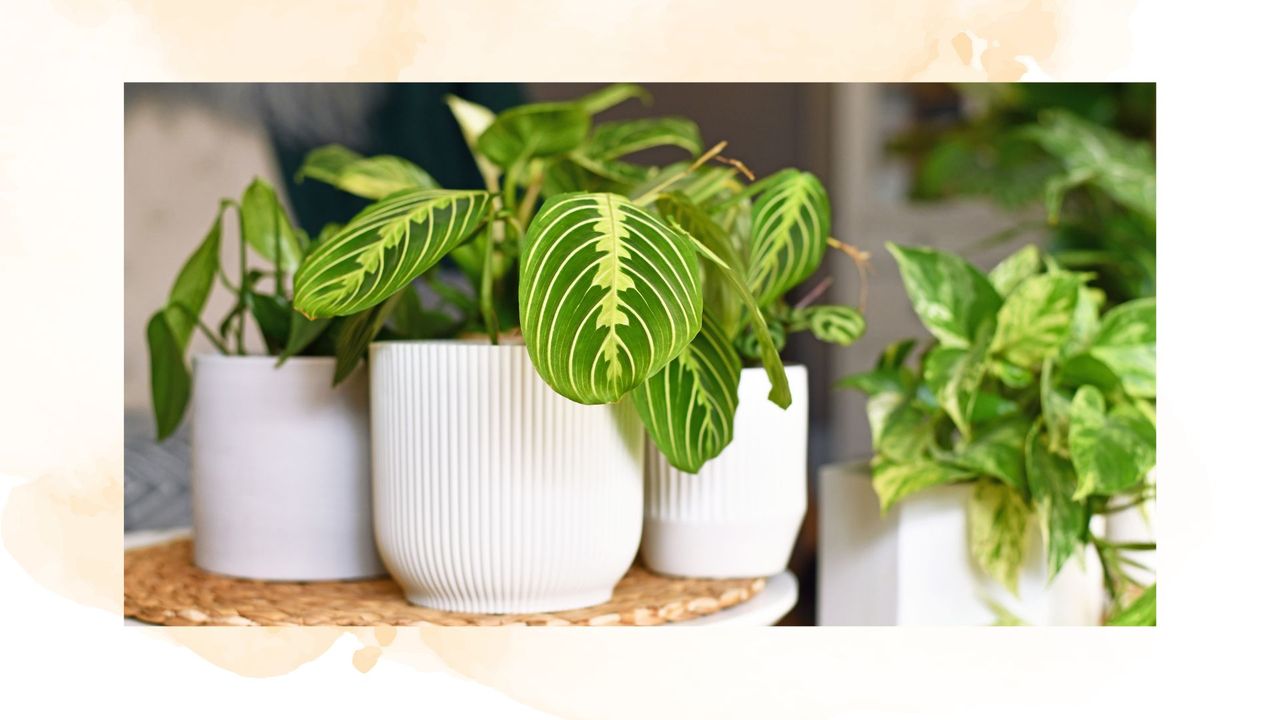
[[624, 280], [1031, 395], [266, 230]]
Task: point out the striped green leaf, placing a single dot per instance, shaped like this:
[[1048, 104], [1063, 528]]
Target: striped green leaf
[[838, 324], [369, 177], [721, 300], [688, 406], [790, 223], [612, 140], [608, 295], [384, 248]]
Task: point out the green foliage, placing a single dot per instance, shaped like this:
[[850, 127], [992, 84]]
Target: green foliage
[[624, 279], [266, 229], [1083, 153], [1043, 408]]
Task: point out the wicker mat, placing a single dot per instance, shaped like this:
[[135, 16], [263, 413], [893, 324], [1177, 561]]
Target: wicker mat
[[163, 586]]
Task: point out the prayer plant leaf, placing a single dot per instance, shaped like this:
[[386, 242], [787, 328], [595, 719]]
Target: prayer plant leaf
[[952, 298], [609, 295], [837, 324], [368, 177], [612, 140], [790, 224], [688, 406], [384, 248], [722, 301]]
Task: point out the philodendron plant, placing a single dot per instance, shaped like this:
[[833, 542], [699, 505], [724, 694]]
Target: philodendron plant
[[264, 228], [1035, 397], [625, 280]]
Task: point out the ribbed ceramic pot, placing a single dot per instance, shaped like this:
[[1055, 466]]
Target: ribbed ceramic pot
[[492, 493], [280, 485], [739, 515]]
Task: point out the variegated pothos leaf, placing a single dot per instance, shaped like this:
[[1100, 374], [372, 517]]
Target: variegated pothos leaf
[[608, 295], [688, 406], [790, 223], [384, 248]]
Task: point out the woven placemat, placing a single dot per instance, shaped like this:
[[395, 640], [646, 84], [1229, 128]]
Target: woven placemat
[[162, 585]]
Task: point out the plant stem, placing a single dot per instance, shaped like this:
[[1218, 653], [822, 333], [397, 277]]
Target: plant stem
[[244, 282], [656, 190], [530, 197], [812, 296], [486, 287], [862, 261]]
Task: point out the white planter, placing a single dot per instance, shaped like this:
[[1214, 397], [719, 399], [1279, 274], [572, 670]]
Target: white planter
[[492, 493], [280, 485], [912, 566], [739, 516]]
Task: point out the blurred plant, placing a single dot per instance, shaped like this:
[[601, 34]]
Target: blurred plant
[[1033, 396], [1083, 152]]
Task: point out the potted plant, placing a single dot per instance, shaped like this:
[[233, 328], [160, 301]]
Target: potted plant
[[1035, 408], [725, 496], [507, 451], [280, 452]]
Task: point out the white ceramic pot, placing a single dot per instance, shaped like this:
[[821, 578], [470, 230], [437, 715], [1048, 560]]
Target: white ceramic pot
[[280, 485], [739, 515], [493, 494], [912, 566]]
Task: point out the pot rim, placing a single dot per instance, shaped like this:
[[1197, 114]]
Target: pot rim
[[216, 357], [451, 342]]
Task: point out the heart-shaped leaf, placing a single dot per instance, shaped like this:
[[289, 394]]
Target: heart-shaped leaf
[[952, 298], [609, 294], [1111, 452], [688, 406], [384, 248]]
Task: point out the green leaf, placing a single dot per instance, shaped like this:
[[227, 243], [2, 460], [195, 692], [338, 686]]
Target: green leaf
[[607, 97], [997, 520], [368, 177], [688, 406], [194, 282], [1111, 452], [170, 381], [608, 294], [1014, 269], [895, 354], [997, 451], [532, 131], [905, 433], [1011, 375], [748, 341], [1124, 169], [302, 332], [779, 388], [1052, 482], [1126, 342], [1084, 323], [951, 297], [837, 324], [894, 480], [722, 301], [384, 248], [1141, 612], [790, 224], [954, 376], [878, 382], [266, 228], [355, 334], [1035, 318], [473, 119], [612, 140], [272, 314]]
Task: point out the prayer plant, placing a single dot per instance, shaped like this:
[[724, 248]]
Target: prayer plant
[[1032, 395], [624, 280]]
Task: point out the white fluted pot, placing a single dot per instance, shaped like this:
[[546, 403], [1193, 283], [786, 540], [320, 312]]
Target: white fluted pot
[[280, 485], [740, 514], [492, 493]]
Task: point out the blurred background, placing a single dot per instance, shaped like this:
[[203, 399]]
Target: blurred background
[[922, 164]]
